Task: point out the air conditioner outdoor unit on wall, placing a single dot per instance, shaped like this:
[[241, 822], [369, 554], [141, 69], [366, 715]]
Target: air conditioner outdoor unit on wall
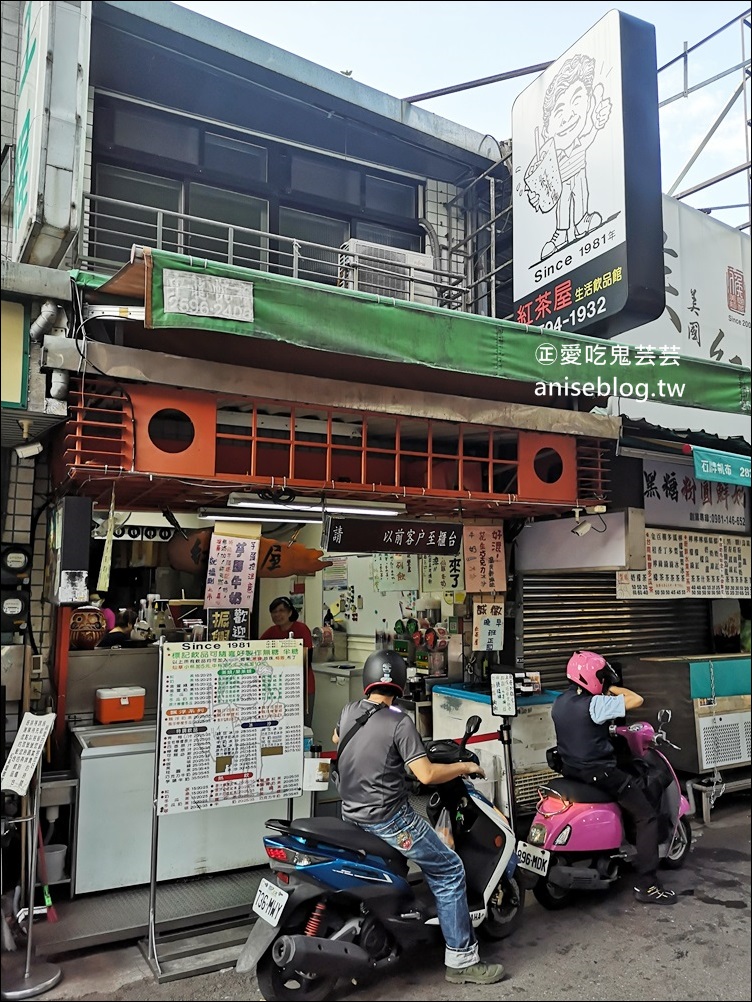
[[388, 271]]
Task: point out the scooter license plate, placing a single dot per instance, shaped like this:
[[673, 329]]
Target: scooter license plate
[[269, 902], [530, 857]]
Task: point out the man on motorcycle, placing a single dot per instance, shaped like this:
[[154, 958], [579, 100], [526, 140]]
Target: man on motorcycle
[[373, 787], [582, 716]]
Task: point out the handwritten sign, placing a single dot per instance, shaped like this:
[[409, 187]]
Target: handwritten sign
[[485, 567], [488, 626], [228, 624], [442, 573], [231, 573], [28, 745], [395, 572]]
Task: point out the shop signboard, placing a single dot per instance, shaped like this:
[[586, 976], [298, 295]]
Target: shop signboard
[[588, 233], [707, 316], [674, 496], [51, 118], [390, 535]]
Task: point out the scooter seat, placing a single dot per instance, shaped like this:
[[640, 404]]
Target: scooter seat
[[578, 792], [348, 836]]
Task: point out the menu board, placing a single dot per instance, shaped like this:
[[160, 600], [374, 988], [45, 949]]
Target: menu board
[[665, 560], [689, 565], [24, 756], [704, 564], [231, 724], [485, 567], [737, 565]]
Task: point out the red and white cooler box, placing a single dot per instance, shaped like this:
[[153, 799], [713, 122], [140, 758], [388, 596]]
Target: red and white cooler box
[[120, 704]]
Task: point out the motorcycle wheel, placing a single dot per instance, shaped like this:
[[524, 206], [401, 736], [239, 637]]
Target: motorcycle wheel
[[504, 910], [283, 984], [552, 897], [680, 846]]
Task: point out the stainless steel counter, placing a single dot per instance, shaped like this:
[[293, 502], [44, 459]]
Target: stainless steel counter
[[115, 769], [92, 670]]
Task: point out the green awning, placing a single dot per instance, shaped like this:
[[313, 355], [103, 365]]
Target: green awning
[[183, 292]]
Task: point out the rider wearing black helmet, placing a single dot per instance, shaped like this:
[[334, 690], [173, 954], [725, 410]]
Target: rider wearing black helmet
[[373, 787]]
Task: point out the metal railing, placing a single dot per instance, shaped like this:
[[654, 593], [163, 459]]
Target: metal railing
[[110, 227]]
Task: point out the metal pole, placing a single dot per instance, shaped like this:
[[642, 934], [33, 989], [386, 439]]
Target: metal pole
[[505, 737], [17, 983], [152, 956]]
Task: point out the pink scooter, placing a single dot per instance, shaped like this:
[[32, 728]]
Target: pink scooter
[[578, 840]]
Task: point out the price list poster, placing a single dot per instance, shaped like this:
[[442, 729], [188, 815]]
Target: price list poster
[[231, 724]]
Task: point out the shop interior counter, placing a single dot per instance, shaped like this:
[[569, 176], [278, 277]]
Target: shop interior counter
[[112, 841], [106, 669]]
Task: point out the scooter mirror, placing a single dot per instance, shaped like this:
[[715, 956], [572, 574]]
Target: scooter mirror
[[472, 725], [664, 716]]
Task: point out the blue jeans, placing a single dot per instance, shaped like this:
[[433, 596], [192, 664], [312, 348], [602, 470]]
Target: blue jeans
[[445, 875]]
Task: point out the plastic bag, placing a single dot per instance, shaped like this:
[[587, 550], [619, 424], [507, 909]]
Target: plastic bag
[[443, 828]]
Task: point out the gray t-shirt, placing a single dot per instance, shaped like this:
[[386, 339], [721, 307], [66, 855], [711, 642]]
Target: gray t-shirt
[[372, 782]]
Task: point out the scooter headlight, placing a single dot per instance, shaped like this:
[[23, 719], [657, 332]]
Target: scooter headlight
[[536, 835], [563, 837]]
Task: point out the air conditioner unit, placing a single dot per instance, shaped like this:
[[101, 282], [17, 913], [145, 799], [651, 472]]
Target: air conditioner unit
[[388, 271]]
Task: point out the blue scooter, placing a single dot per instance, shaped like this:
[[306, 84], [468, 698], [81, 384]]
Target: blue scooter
[[342, 903]]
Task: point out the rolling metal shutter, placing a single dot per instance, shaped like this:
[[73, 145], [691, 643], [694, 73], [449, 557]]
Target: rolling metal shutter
[[562, 613]]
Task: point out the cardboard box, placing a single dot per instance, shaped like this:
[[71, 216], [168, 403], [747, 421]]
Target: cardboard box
[[120, 704]]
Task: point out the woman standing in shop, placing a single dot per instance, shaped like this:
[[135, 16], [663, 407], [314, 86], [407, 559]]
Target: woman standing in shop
[[286, 624]]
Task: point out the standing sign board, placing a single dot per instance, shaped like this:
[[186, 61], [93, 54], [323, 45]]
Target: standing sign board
[[588, 233], [231, 724]]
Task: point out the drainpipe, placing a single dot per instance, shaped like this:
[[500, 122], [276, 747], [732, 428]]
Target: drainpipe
[[44, 323]]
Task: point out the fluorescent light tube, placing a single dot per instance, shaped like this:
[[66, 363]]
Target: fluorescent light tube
[[368, 508], [220, 516]]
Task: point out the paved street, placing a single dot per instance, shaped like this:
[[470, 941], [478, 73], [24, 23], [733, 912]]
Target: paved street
[[606, 948]]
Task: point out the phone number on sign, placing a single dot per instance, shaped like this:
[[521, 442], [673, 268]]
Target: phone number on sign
[[567, 306]]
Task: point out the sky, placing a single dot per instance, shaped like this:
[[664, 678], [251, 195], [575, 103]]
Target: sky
[[407, 48]]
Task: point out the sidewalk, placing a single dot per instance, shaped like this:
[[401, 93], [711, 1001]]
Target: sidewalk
[[710, 921]]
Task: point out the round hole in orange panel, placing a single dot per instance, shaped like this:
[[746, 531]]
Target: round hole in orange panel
[[171, 430], [548, 465]]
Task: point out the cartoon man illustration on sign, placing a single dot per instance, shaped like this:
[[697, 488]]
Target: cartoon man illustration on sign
[[574, 111]]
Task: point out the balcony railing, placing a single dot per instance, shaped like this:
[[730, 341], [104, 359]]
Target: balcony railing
[[110, 227]]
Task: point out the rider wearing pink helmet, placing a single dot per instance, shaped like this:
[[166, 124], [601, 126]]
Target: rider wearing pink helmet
[[582, 716]]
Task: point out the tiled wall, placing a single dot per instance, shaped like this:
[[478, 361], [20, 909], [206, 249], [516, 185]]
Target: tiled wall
[[28, 488]]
